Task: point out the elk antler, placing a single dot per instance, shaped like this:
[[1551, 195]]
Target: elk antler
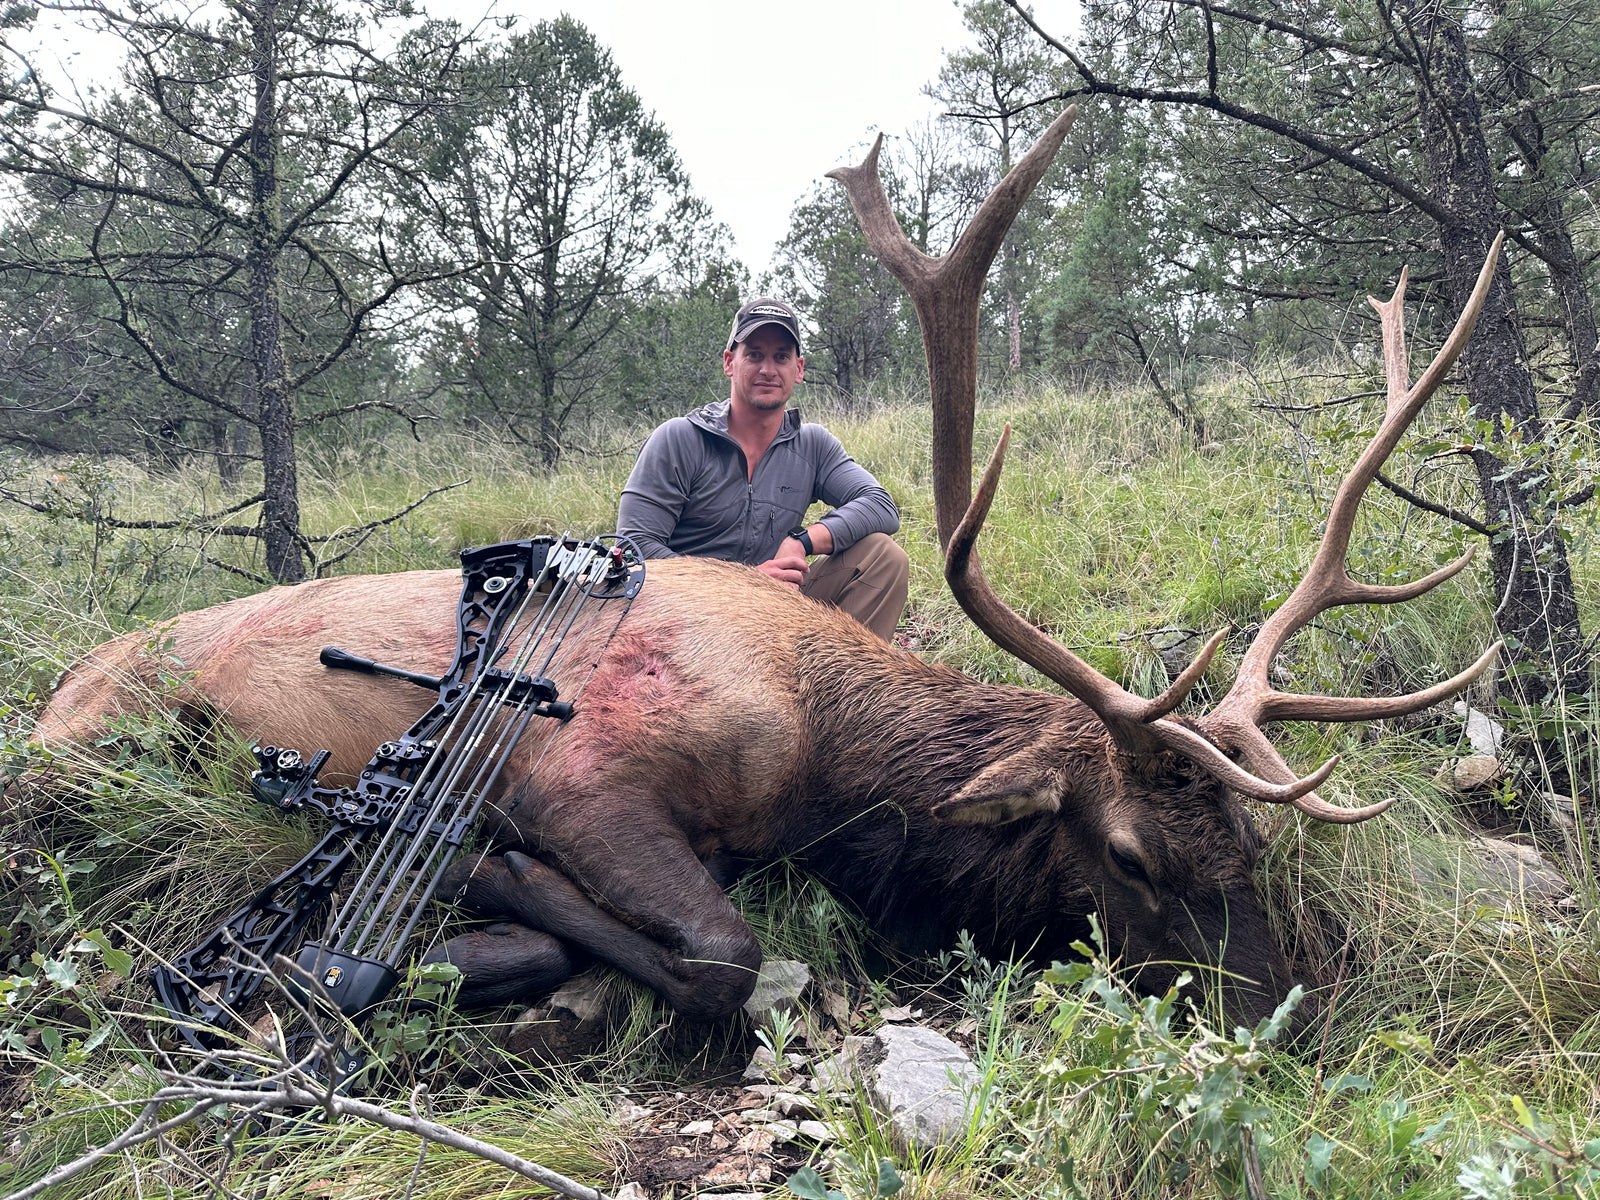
[[946, 293], [1236, 720]]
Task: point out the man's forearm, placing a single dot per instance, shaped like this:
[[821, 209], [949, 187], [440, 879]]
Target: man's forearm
[[873, 511]]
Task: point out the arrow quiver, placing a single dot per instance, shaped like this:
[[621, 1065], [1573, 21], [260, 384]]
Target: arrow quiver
[[522, 604]]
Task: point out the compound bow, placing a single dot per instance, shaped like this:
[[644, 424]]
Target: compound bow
[[417, 798]]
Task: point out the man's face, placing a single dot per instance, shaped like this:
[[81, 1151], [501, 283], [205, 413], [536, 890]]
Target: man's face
[[764, 369]]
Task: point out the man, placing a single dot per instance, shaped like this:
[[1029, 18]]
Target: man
[[733, 479]]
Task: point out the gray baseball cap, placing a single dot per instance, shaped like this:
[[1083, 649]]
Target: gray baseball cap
[[765, 311]]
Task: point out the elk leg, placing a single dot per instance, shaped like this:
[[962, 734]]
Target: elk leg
[[706, 971], [505, 964]]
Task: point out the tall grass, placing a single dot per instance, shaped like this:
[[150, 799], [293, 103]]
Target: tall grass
[[1443, 995]]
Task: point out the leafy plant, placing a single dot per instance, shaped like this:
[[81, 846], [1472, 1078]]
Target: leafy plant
[[1181, 1089], [809, 1185]]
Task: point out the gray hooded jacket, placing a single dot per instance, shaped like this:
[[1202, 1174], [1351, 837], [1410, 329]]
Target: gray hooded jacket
[[690, 491]]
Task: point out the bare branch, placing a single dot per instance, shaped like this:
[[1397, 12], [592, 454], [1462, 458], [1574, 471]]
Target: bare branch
[[1419, 198], [345, 410], [1422, 502], [208, 523]]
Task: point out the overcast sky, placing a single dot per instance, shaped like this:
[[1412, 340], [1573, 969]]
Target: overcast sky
[[761, 99]]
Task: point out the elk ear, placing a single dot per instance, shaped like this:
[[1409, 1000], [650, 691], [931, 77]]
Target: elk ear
[[1019, 785]]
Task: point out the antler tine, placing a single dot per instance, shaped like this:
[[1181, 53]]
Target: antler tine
[[1234, 723], [864, 186], [1184, 683], [1326, 583], [1186, 741], [1396, 366], [1256, 748], [1122, 712], [946, 293], [1282, 706]]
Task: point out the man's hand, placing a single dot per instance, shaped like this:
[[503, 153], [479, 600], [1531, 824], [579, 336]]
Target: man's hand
[[788, 565]]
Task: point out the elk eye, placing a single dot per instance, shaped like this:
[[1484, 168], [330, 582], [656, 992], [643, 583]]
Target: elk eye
[[1129, 865]]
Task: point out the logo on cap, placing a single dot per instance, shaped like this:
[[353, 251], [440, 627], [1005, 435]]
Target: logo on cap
[[764, 312]]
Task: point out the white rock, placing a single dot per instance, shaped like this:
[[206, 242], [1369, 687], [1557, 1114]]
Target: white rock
[[791, 1105], [756, 1141], [1484, 734], [1563, 810], [838, 1072], [1520, 871], [924, 1083], [632, 1191], [762, 1067], [1493, 873], [1475, 771], [697, 1128], [584, 996], [816, 1131], [778, 988], [921, 1081]]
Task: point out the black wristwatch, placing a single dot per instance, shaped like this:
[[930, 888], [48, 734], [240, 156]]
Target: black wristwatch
[[799, 534]]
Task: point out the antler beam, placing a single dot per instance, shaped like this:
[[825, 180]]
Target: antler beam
[[946, 293]]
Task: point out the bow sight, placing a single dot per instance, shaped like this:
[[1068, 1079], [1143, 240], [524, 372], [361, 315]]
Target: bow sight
[[419, 795]]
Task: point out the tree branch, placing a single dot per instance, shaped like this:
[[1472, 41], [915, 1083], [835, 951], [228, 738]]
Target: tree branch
[[1410, 497], [208, 522]]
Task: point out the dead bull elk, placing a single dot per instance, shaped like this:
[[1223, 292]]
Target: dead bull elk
[[731, 719]]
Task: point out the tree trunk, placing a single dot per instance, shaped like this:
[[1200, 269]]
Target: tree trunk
[[1577, 313], [1014, 324], [1009, 263], [1547, 210], [1566, 280], [1536, 605], [229, 445], [549, 432], [280, 513]]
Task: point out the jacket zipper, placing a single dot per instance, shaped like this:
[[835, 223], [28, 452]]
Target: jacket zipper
[[750, 479]]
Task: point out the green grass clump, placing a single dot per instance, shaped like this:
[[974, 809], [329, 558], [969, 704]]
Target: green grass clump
[[1450, 1040]]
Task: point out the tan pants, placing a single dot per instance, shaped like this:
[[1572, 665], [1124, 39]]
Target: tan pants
[[869, 581]]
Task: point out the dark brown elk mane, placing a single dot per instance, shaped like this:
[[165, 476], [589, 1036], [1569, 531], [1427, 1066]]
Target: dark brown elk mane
[[875, 834]]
